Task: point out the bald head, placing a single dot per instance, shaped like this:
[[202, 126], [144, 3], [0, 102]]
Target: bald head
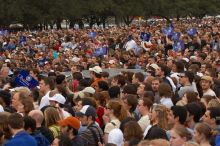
[[38, 116]]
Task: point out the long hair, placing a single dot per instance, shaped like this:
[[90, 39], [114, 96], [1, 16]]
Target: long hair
[[51, 116], [119, 110], [161, 111]]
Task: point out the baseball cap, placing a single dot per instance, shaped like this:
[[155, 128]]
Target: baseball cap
[[89, 90], [207, 78], [70, 121], [87, 110], [96, 69], [155, 66], [58, 98]]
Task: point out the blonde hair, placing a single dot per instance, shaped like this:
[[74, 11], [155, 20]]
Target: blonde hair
[[190, 143], [182, 132], [159, 142], [162, 114], [51, 116], [213, 103]]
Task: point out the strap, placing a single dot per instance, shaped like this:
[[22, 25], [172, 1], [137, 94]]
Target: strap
[[113, 123], [101, 140], [94, 136]]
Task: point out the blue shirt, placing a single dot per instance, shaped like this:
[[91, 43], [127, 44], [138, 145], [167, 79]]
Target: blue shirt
[[22, 138]]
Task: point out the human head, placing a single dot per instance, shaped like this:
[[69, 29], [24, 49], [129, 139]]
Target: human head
[[87, 115], [51, 116], [202, 132], [69, 126], [117, 109], [136, 131], [178, 114], [15, 121], [211, 116], [46, 84], [179, 135], [38, 116]]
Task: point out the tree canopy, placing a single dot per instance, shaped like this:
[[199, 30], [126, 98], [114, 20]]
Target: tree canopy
[[45, 13]]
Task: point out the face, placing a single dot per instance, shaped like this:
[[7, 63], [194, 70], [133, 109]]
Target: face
[[207, 119], [55, 142], [140, 106], [205, 84], [134, 80], [171, 119], [114, 82], [158, 72], [175, 139], [78, 106], [196, 136], [155, 85], [52, 103], [140, 90], [182, 80], [15, 100], [64, 130], [42, 85], [84, 120]]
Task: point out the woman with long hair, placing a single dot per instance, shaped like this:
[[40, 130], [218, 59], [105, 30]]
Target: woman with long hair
[[51, 117], [114, 114]]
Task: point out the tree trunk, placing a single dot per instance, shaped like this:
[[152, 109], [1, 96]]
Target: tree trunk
[[58, 23]]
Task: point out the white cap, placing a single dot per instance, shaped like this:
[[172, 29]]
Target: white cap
[[116, 137], [155, 66], [89, 90], [186, 59], [7, 60], [96, 69], [58, 98]]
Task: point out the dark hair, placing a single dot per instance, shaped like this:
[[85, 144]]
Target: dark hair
[[103, 85], [74, 132], [179, 66], [77, 76], [114, 91], [180, 112], [101, 98], [15, 121], [130, 89], [49, 81], [131, 101], [148, 103], [120, 79], [165, 90], [164, 68], [60, 78], [195, 110], [105, 74], [125, 121], [192, 96], [6, 97], [89, 101], [149, 95], [139, 76], [29, 122], [214, 113]]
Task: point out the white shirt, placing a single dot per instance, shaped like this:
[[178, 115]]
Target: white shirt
[[209, 92], [44, 100], [144, 122], [130, 45], [167, 102]]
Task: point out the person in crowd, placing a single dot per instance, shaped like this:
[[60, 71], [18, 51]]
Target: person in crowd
[[114, 114], [69, 128], [51, 118], [159, 120], [179, 135], [20, 137], [46, 85], [202, 134], [93, 133], [38, 116], [144, 108]]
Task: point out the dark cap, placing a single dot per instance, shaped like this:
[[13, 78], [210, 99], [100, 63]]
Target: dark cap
[[87, 110]]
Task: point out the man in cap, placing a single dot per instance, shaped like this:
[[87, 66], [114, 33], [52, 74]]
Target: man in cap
[[93, 134], [69, 128], [96, 74], [206, 83]]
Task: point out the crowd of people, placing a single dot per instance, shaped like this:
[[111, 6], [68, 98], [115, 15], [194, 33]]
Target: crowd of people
[[173, 101]]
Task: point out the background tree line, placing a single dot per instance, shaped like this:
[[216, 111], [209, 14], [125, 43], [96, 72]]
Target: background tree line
[[46, 13]]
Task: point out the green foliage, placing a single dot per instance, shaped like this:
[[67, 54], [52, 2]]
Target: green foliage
[[33, 13]]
